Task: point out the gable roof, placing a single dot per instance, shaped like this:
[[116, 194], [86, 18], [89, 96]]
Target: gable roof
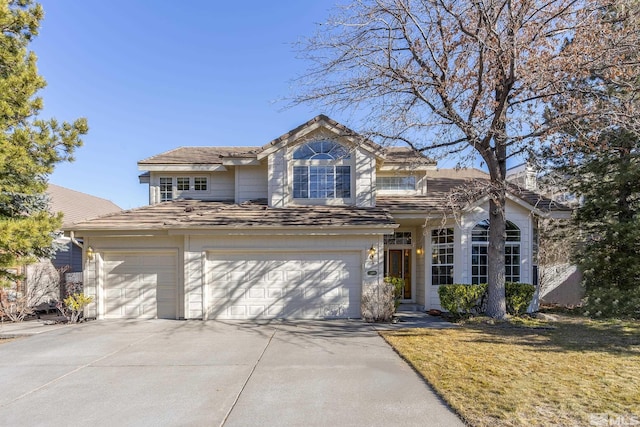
[[198, 214], [78, 206], [205, 155], [320, 121]]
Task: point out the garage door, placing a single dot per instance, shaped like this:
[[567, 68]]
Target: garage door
[[140, 285], [291, 285]]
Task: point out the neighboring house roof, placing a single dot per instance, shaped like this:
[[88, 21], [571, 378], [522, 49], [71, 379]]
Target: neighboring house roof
[[77, 206], [189, 214], [442, 186]]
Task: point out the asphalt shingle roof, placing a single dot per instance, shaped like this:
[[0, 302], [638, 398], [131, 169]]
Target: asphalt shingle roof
[[215, 155], [199, 155], [188, 214], [443, 183], [77, 206], [406, 155]]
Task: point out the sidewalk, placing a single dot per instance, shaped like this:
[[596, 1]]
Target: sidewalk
[[29, 327], [414, 319]]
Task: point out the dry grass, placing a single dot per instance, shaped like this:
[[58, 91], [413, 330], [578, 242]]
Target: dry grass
[[527, 373]]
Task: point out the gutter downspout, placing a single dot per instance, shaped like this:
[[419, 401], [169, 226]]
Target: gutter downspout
[[73, 239]]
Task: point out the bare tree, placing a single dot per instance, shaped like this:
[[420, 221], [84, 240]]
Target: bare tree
[[43, 286], [467, 78]]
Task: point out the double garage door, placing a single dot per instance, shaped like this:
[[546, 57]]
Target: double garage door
[[283, 285], [244, 285]]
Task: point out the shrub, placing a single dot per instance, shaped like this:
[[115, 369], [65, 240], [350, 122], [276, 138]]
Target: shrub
[[73, 306], [398, 284], [461, 299], [379, 302], [518, 297], [469, 299]]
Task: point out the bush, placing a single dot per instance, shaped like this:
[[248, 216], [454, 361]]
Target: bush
[[461, 299], [518, 297], [379, 302], [469, 299], [73, 306], [397, 284]]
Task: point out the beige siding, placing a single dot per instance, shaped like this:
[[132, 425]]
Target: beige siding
[[251, 183], [277, 175], [365, 179], [193, 299]]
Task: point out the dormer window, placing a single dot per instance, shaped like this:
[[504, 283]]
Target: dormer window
[[321, 170]]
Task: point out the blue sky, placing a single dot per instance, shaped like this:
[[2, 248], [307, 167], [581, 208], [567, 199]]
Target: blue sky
[[154, 75]]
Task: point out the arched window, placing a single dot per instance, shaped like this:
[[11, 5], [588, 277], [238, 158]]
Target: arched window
[[321, 170], [480, 256], [321, 150]]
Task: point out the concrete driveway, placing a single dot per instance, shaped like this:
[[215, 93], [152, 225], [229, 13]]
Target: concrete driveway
[[192, 373]]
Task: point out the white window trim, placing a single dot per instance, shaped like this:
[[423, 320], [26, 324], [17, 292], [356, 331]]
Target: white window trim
[[176, 193], [438, 245], [398, 191], [485, 243], [329, 162]]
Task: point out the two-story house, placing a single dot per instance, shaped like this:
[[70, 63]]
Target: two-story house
[[297, 228]]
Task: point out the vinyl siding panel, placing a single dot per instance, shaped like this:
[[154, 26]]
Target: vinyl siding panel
[[251, 183]]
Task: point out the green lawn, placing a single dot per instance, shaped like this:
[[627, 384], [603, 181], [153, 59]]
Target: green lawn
[[527, 373]]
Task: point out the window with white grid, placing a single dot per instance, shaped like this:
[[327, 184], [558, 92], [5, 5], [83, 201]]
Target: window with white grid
[[166, 189], [442, 260], [480, 256]]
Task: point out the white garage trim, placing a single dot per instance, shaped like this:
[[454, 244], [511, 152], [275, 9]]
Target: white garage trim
[[268, 284], [147, 284]]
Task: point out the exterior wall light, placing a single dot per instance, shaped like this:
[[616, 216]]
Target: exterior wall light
[[419, 251], [90, 253], [372, 252]]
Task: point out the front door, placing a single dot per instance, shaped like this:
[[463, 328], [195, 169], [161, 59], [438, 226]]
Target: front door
[[398, 264]]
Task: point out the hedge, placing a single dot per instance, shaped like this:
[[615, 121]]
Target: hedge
[[464, 299]]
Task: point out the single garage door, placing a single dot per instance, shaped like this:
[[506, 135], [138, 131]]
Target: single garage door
[[283, 285], [140, 285]]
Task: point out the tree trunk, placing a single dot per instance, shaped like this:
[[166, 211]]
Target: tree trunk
[[496, 304], [497, 164]]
